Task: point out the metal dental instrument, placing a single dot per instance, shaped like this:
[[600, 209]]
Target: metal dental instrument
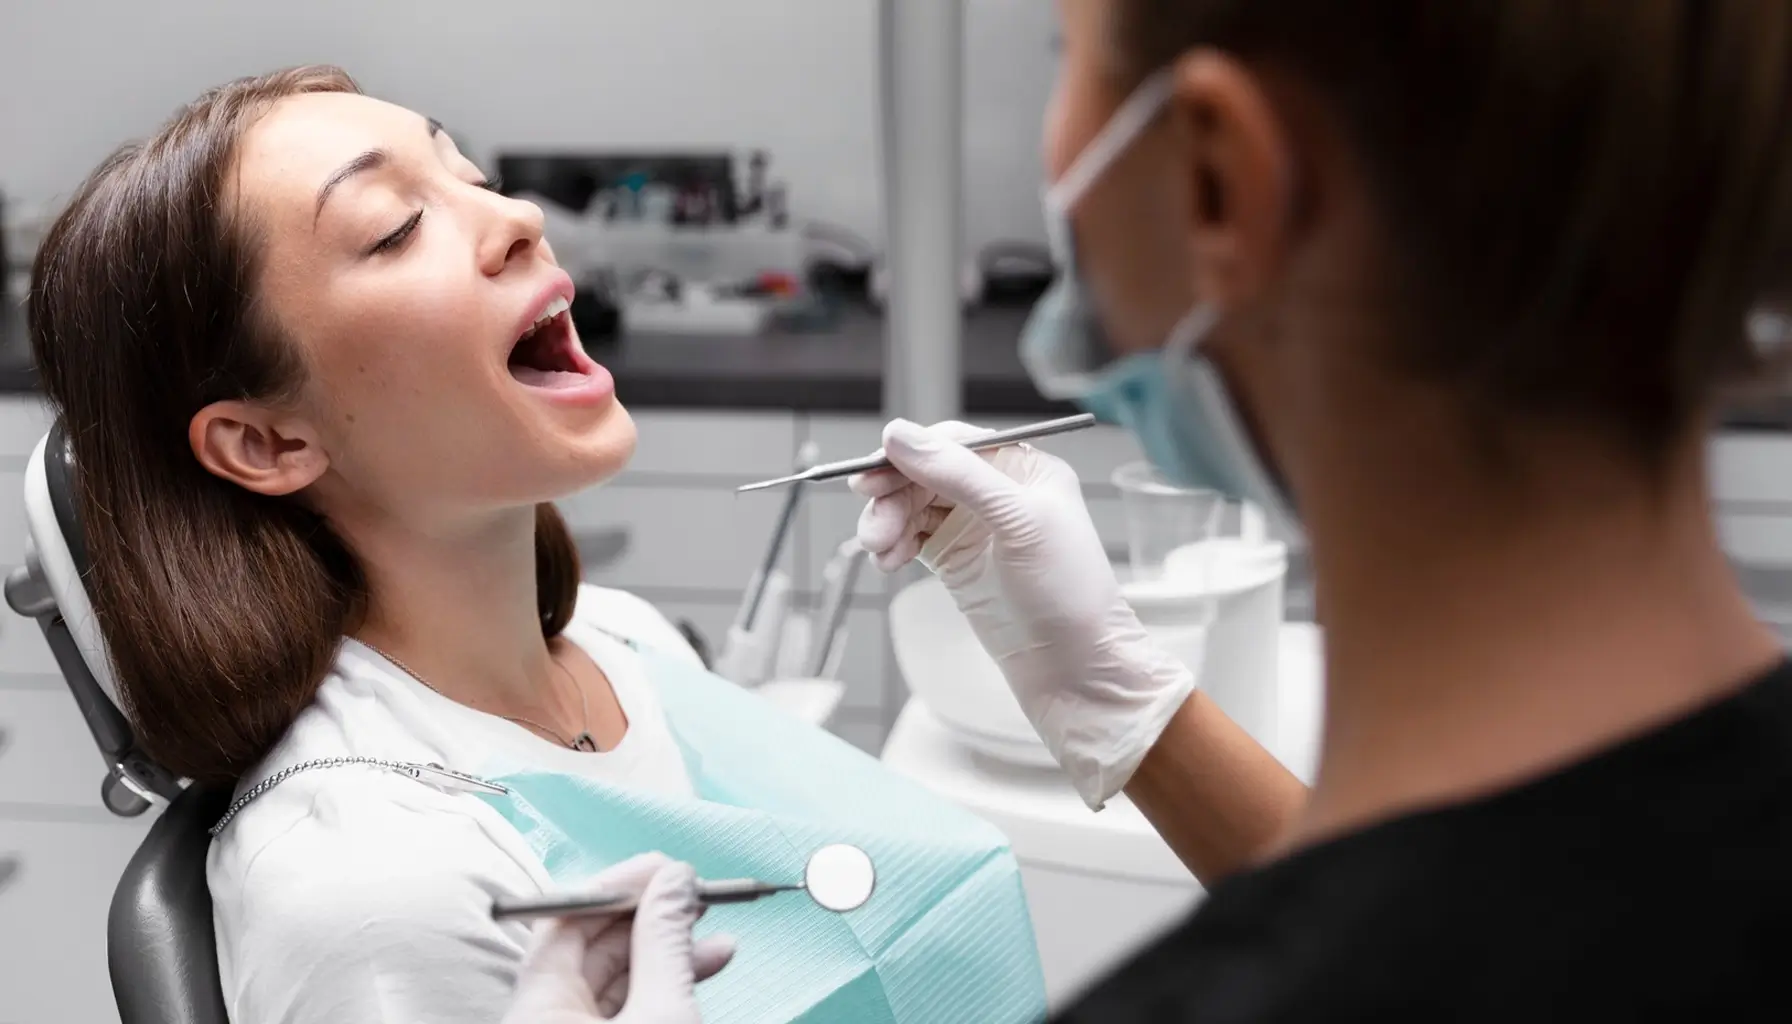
[[805, 461], [840, 576], [838, 878], [998, 439], [730, 890]]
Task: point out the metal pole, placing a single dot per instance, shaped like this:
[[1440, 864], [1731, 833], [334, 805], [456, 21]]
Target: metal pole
[[922, 50]]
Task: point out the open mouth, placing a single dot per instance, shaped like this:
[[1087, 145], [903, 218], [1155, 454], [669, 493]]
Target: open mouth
[[547, 355]]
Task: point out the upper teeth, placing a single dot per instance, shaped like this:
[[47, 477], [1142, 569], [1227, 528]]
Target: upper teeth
[[554, 308]]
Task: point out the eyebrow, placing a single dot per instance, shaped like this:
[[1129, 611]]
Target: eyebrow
[[367, 161]]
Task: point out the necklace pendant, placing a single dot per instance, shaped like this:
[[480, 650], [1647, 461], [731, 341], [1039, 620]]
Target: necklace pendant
[[584, 742]]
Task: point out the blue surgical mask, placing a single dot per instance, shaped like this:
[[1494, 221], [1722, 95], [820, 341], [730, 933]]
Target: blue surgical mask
[[1172, 399]]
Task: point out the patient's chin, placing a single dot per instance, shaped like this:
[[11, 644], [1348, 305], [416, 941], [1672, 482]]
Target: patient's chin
[[603, 448]]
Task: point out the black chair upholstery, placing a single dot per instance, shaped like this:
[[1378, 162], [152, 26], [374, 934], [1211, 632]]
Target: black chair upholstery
[[159, 941], [162, 953]]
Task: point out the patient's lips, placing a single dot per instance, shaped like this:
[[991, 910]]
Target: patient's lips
[[549, 358], [543, 356]]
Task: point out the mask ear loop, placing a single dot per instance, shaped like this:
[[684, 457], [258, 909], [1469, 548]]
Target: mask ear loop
[[1127, 123], [1186, 337]]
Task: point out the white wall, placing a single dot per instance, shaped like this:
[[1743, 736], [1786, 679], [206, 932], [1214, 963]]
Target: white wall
[[797, 77]]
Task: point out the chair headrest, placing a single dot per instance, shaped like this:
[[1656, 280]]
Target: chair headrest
[[53, 524], [57, 562]]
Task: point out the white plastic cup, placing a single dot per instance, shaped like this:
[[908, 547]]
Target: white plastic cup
[[1162, 517]]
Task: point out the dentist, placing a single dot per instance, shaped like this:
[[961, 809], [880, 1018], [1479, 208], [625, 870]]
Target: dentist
[[1456, 289]]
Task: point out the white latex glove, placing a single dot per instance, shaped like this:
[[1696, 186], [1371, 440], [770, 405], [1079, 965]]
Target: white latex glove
[[1008, 534], [639, 969]]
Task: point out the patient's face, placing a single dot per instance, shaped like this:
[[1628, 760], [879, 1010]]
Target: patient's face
[[406, 285]]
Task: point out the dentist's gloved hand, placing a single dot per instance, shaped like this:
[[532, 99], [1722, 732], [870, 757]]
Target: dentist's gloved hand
[[1008, 534], [639, 969]]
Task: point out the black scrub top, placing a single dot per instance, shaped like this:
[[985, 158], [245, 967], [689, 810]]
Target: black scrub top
[[1652, 881]]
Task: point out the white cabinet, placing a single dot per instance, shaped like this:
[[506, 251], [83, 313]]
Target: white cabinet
[[12, 516], [1752, 470], [741, 446], [23, 649], [23, 420], [53, 916], [1751, 487], [1094, 453], [47, 756], [68, 850], [831, 517], [683, 535]]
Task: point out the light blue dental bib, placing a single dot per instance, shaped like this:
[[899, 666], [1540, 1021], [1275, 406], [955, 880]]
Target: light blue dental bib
[[945, 937]]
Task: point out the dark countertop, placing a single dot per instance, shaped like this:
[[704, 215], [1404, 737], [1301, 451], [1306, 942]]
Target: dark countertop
[[839, 370]]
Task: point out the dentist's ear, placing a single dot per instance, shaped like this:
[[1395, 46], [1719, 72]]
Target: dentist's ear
[[1240, 175], [260, 449]]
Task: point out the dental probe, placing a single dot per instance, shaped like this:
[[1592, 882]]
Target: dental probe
[[998, 439], [709, 893], [839, 877]]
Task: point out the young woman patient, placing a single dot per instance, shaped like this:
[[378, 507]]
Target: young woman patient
[[321, 385]]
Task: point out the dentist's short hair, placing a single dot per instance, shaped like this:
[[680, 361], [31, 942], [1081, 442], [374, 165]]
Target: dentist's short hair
[[1585, 198]]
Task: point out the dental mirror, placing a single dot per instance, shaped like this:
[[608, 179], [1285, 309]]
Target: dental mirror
[[839, 878]]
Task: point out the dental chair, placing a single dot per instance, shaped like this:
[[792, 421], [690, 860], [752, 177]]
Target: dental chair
[[159, 942]]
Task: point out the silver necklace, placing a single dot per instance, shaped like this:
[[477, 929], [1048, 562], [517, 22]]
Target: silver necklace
[[581, 742], [432, 774]]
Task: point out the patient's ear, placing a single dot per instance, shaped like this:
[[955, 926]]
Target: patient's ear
[[264, 450]]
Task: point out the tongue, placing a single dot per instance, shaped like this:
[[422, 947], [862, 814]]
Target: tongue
[[539, 378], [541, 361]]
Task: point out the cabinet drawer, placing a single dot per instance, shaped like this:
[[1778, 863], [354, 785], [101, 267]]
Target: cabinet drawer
[[23, 648], [53, 918], [736, 445], [12, 518], [23, 422], [1751, 469], [1759, 541], [830, 518], [46, 753], [700, 538], [711, 619], [1093, 453], [862, 664], [1769, 591], [845, 437], [865, 659]]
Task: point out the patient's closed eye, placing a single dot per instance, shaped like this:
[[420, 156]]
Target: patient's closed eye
[[397, 237]]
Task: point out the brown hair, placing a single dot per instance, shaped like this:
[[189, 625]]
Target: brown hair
[[1585, 197], [222, 609]]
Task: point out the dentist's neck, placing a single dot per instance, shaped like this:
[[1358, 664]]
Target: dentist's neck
[[459, 606], [1482, 631]]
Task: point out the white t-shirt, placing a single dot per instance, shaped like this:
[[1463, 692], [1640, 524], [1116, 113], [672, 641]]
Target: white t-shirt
[[356, 894]]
